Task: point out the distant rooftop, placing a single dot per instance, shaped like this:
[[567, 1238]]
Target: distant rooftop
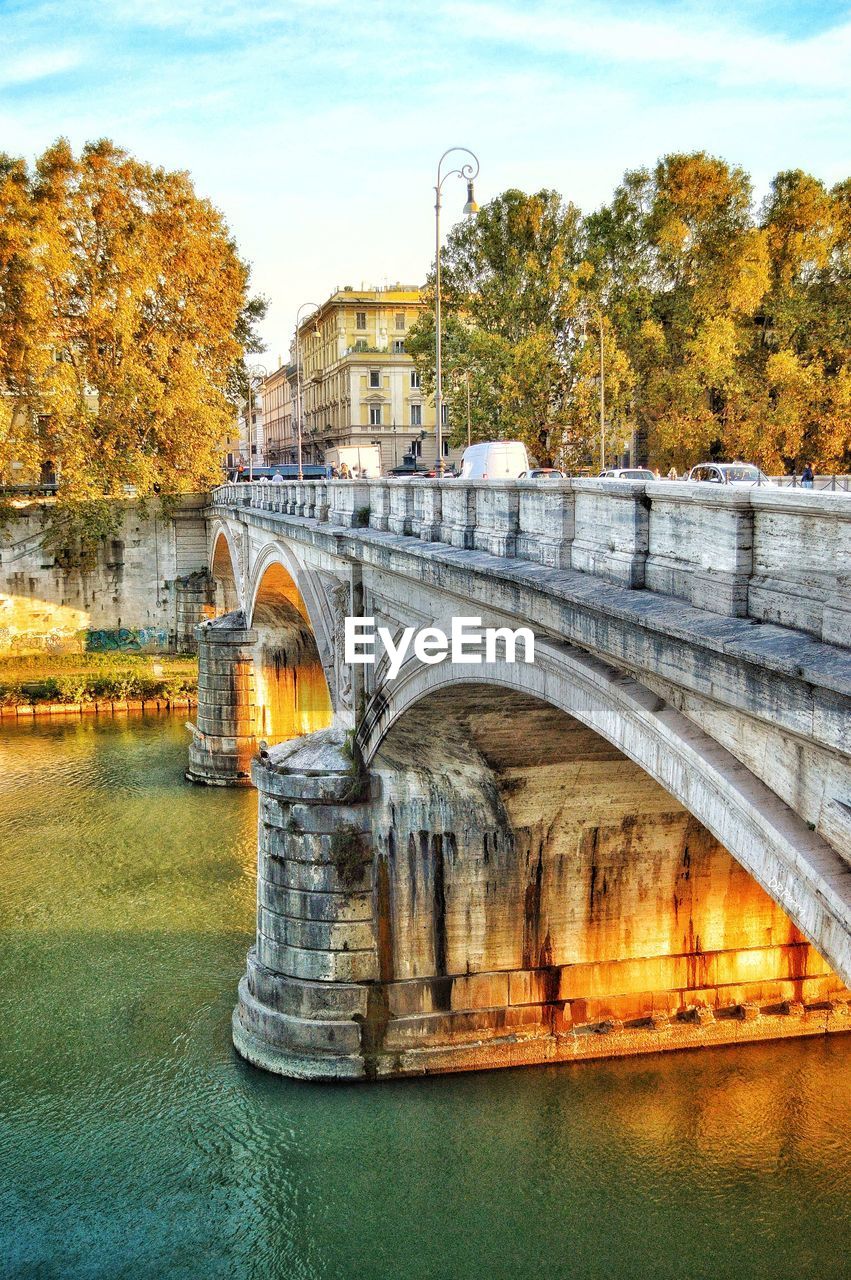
[[398, 287]]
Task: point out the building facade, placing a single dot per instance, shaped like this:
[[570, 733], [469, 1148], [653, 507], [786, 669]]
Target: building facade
[[358, 383], [278, 399]]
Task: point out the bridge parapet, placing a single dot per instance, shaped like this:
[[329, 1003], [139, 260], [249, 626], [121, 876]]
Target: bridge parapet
[[771, 554]]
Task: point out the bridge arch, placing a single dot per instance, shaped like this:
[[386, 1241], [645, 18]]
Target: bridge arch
[[224, 568], [284, 611], [792, 863]]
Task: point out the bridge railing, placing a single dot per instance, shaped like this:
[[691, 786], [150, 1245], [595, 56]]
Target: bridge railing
[[773, 554]]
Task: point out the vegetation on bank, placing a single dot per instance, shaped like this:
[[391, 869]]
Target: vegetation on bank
[[93, 677]]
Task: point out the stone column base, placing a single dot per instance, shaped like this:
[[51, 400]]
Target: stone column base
[[307, 1001], [223, 742], [371, 1044]]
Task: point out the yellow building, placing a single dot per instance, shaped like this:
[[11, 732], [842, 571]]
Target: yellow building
[[359, 385]]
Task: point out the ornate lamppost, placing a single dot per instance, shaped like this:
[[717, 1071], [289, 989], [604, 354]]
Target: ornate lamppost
[[468, 172], [299, 398], [602, 397]]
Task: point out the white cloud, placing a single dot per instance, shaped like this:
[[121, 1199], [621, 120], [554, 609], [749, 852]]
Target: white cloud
[[686, 42], [28, 68]]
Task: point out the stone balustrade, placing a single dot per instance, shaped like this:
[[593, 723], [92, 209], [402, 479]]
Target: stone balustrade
[[772, 554]]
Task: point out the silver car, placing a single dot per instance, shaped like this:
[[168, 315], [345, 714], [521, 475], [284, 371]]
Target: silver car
[[735, 473], [627, 473]]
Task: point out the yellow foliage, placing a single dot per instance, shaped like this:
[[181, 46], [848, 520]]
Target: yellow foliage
[[122, 301]]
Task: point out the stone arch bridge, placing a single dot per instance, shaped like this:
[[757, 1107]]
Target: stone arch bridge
[[640, 841]]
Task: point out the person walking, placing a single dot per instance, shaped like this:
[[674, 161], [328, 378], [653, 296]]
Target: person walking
[[672, 474], [807, 477]]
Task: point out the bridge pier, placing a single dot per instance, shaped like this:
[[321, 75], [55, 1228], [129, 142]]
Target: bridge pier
[[503, 888], [307, 1004], [223, 738]]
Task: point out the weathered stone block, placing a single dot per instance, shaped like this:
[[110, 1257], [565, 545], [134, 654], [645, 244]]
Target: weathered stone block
[[401, 506], [331, 907], [317, 966], [497, 517], [546, 522], [425, 523], [318, 935], [611, 530], [379, 505], [457, 513], [349, 499], [701, 545]]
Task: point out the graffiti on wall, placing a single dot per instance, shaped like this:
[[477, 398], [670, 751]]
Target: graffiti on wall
[[126, 640]]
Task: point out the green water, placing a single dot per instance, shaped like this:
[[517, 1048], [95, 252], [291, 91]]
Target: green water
[[133, 1142]]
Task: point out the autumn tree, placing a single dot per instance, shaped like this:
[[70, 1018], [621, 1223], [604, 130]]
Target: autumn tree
[[509, 297], [797, 374], [124, 317], [686, 270]]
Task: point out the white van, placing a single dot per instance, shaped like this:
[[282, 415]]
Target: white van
[[361, 459], [497, 460]]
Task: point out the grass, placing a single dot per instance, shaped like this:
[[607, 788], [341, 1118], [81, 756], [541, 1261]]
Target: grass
[[91, 677]]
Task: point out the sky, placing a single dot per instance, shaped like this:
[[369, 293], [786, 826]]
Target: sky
[[316, 125]]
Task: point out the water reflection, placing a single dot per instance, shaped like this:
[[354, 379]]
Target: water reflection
[[135, 1143]]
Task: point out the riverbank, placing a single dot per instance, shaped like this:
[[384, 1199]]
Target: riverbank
[[96, 683]]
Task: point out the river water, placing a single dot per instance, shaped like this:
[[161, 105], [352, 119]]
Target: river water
[[134, 1143]]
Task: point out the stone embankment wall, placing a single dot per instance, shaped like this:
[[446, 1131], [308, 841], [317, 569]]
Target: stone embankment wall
[[147, 591]]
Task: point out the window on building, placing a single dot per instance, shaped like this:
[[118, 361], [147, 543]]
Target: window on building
[[444, 444], [400, 319], [398, 345], [360, 344], [416, 415], [360, 320], [416, 448], [444, 413], [375, 415], [254, 449], [375, 377], [254, 419], [415, 379]]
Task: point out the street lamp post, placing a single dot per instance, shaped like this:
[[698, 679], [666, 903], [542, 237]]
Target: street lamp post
[[467, 172], [299, 397], [602, 399], [255, 375]]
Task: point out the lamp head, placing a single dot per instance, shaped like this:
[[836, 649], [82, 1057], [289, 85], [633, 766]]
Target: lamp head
[[470, 207]]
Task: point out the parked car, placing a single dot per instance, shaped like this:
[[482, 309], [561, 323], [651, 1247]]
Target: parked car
[[538, 473], [496, 460], [627, 473], [401, 472], [734, 473]]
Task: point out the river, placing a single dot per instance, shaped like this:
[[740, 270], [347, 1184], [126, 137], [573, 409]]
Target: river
[[134, 1143]]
